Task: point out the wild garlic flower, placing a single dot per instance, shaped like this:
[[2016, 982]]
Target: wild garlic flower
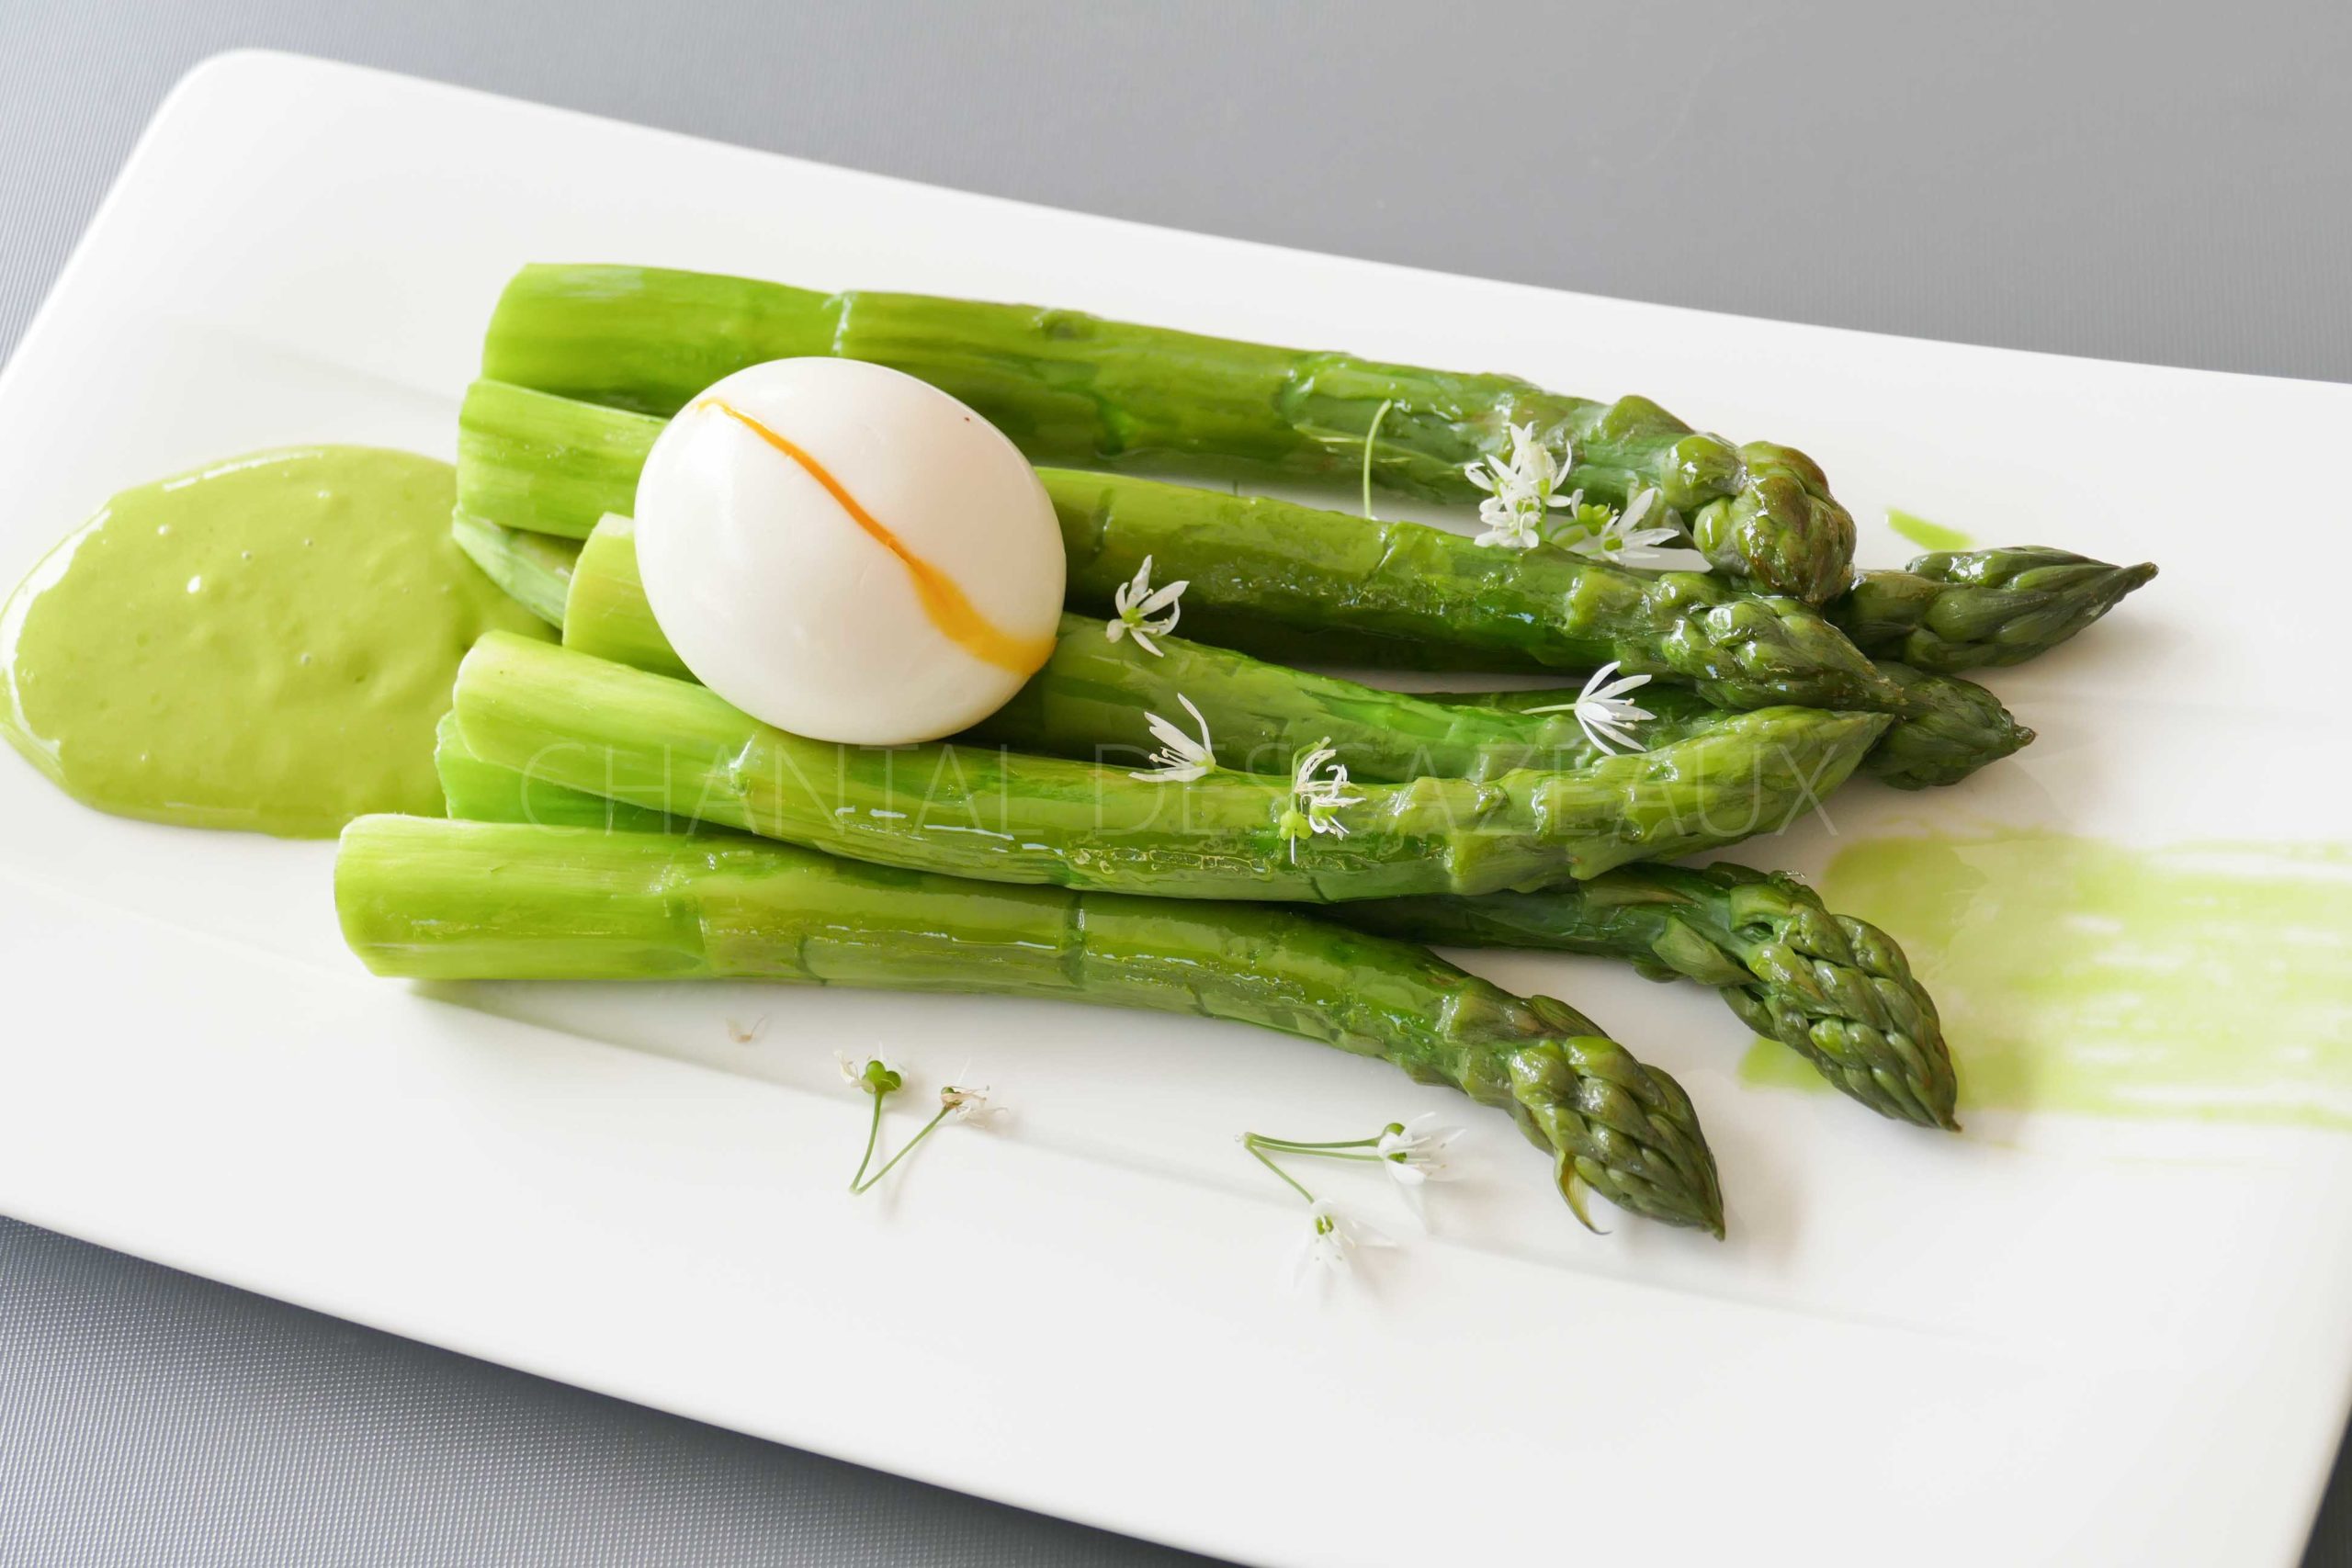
[[875, 1074], [1137, 602], [1603, 711], [1522, 490], [1326, 1252], [1413, 1154], [1621, 537], [969, 1103], [1415, 1151], [1316, 803], [1179, 758]]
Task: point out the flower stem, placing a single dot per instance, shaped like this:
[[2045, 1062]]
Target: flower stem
[[867, 1182], [1296, 1147], [1249, 1142], [873, 1132]]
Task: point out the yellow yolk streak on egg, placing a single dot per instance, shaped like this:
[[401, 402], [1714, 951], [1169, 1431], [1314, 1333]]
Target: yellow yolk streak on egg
[[955, 616]]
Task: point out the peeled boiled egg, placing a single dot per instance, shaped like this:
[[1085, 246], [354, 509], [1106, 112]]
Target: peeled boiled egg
[[847, 553]]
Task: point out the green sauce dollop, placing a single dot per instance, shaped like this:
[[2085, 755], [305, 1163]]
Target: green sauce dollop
[[264, 644]]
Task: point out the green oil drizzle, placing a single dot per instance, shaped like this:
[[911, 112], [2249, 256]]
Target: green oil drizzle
[[264, 644], [2202, 980], [1925, 535]]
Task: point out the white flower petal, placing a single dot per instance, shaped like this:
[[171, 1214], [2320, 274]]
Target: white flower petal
[[1167, 734], [1613, 742]]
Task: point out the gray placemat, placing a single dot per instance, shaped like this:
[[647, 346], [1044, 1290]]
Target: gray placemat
[[2090, 179]]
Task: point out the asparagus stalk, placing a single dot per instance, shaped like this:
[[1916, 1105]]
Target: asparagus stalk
[[557, 716], [1069, 388], [547, 464], [1835, 990], [530, 463], [477, 791], [1963, 610], [1255, 562], [1090, 698], [1384, 592], [1952, 727], [534, 570], [606, 613], [469, 900]]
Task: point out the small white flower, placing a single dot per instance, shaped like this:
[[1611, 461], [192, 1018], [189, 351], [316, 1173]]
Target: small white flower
[[1327, 1253], [1621, 539], [1415, 1151], [1603, 711], [1414, 1154], [860, 1072], [969, 1103], [1181, 758], [1521, 489], [1316, 802], [1137, 602]]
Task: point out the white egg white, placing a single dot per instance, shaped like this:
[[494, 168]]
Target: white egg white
[[779, 599]]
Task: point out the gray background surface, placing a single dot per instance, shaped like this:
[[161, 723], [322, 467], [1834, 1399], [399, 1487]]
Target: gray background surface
[[2123, 179]]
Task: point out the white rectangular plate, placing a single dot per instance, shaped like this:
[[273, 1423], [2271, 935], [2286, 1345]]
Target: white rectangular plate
[[2085, 1339]]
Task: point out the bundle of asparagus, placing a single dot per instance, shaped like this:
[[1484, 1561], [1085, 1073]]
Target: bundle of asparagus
[[1092, 697], [1835, 990], [667, 745], [1022, 858], [1069, 388]]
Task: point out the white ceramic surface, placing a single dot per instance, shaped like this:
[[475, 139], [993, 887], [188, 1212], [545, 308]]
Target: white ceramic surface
[[2061, 1338]]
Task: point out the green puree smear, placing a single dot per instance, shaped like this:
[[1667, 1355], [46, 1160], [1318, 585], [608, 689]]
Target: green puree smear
[[264, 644], [1925, 535], [2203, 980]]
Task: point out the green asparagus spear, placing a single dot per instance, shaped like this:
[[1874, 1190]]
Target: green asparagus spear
[[1836, 991], [470, 900], [1254, 562], [477, 791], [535, 570], [547, 464], [1069, 388], [606, 613], [1259, 566], [1967, 609], [531, 463], [1951, 727], [557, 716], [1089, 699]]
